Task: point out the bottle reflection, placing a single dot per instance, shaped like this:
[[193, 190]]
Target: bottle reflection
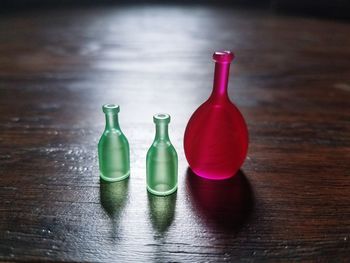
[[224, 204], [162, 211], [113, 197]]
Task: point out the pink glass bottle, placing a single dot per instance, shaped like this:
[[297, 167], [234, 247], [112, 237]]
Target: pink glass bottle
[[216, 136]]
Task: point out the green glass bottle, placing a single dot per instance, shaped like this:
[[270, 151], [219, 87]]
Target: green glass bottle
[[113, 148], [161, 161]]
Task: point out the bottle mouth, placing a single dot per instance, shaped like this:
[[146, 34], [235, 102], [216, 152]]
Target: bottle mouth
[[223, 56], [110, 108], [161, 118]]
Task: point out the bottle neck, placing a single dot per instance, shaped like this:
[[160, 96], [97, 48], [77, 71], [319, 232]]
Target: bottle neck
[[162, 132], [112, 121], [221, 75]]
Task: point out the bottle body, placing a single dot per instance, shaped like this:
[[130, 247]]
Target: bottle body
[[216, 141], [113, 150], [216, 136], [161, 162]]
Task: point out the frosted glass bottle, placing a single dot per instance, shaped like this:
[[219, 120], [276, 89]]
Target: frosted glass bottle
[[216, 136], [113, 148], [161, 161]]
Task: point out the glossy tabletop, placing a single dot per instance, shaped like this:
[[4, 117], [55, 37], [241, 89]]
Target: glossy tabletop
[[290, 79]]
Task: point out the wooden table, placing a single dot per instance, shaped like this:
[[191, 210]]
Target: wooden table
[[290, 79]]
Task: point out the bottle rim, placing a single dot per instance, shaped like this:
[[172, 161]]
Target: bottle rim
[[223, 56], [110, 108], [161, 118]]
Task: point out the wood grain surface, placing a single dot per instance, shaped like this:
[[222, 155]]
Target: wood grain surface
[[290, 79]]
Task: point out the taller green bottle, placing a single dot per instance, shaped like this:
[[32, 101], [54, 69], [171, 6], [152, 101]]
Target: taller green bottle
[[161, 161], [113, 148]]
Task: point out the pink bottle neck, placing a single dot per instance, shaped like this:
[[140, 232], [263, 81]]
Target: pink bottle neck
[[222, 60], [221, 75]]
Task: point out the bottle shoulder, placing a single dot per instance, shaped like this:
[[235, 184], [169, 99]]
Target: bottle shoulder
[[162, 144], [113, 134], [210, 107], [162, 147]]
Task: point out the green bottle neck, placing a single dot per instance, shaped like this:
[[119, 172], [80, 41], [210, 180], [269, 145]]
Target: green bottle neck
[[162, 132], [112, 121]]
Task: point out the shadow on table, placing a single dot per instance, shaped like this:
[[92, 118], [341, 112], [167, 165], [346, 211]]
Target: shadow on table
[[162, 211], [224, 204], [113, 197]]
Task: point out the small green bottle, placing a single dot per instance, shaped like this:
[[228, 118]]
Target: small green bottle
[[161, 161], [113, 148]]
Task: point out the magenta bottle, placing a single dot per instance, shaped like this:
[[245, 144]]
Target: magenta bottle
[[216, 136]]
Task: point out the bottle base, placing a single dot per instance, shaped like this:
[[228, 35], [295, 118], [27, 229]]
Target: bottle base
[[214, 177], [162, 193], [111, 179]]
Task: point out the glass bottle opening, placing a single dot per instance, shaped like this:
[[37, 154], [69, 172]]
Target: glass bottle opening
[[223, 56], [161, 118], [110, 108]]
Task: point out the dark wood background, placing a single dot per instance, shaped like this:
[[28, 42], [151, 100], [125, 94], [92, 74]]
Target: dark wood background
[[290, 79], [339, 9]]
